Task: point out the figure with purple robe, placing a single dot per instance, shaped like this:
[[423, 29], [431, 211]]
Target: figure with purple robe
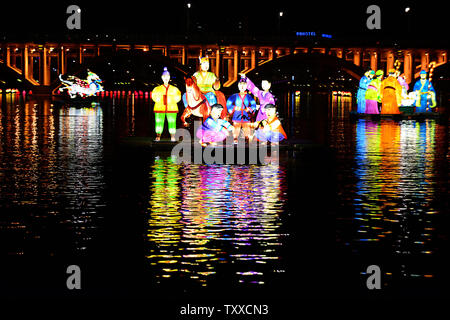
[[214, 129], [373, 94], [361, 94], [264, 96]]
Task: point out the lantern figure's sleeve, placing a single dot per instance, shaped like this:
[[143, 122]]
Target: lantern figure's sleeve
[[212, 125], [184, 100], [252, 88], [175, 95], [432, 95], [157, 94], [226, 124], [252, 103]]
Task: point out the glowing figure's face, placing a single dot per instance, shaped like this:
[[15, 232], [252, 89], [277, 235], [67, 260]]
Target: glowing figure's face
[[215, 113], [423, 76], [190, 89], [265, 85], [165, 78], [204, 65], [270, 112], [242, 87]]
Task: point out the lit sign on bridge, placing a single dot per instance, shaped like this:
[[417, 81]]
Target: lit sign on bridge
[[313, 34]]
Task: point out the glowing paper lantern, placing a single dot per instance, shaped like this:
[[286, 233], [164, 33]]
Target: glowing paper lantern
[[82, 88]]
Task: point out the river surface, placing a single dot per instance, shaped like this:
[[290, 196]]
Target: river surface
[[139, 224]]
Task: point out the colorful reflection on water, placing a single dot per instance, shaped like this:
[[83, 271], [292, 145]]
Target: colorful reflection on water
[[394, 198], [51, 186], [395, 162], [204, 222], [202, 216]]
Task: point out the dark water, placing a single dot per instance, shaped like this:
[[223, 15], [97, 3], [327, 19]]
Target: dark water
[[140, 225]]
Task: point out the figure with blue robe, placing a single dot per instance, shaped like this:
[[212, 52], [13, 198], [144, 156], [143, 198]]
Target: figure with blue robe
[[425, 94], [361, 94], [242, 108]]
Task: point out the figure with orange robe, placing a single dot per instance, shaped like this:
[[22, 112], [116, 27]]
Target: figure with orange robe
[[391, 94], [272, 129]]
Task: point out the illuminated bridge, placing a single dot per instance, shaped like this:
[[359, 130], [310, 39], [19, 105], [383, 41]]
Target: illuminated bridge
[[41, 63]]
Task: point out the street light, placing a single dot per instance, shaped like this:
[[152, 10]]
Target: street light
[[280, 14], [408, 17], [188, 5]]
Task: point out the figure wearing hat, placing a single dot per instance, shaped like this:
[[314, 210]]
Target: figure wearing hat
[[214, 129], [209, 84], [391, 94], [271, 130], [361, 94], [241, 106], [425, 93], [166, 97], [373, 93]]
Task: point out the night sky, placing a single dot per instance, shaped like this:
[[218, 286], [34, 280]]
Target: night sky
[[344, 20]]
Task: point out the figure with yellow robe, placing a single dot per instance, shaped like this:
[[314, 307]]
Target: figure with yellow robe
[[166, 98], [391, 94], [209, 84]]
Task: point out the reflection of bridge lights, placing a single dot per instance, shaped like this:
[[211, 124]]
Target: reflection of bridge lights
[[342, 93]]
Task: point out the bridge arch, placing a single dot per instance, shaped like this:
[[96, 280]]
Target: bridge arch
[[309, 71]]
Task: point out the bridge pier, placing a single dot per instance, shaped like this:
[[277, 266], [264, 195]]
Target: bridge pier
[[424, 60], [357, 57], [45, 67], [389, 61], [217, 63], [8, 57], [373, 60]]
